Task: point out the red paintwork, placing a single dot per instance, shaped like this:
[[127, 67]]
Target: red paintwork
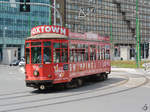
[[75, 70]]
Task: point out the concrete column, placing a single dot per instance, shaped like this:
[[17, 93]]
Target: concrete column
[[3, 53], [9, 54], [22, 50], [125, 52]]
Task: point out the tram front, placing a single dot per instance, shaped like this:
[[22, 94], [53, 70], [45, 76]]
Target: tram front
[[46, 53]]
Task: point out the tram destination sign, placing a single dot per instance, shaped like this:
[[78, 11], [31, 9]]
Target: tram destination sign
[[49, 29]]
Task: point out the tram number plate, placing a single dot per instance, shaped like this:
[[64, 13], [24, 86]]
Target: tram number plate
[[65, 66]]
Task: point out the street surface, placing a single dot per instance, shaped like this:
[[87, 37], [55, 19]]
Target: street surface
[[126, 90]]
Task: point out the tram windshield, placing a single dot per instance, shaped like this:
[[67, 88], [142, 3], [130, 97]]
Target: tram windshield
[[36, 55], [42, 52]]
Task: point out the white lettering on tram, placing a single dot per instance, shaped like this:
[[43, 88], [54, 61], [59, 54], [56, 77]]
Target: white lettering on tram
[[42, 29], [54, 29], [63, 31], [38, 30], [49, 29]]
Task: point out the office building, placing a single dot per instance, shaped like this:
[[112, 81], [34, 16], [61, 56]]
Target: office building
[[15, 26], [114, 18]]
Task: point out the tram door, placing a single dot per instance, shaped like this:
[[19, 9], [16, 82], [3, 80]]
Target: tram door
[[60, 60]]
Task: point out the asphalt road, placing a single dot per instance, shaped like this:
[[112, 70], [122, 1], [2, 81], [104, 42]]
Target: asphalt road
[[124, 91]]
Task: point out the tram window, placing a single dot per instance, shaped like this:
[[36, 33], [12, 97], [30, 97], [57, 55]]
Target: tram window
[[79, 55], [71, 55], [47, 55], [75, 56], [64, 57], [56, 55], [36, 55], [56, 45], [36, 43], [82, 54], [27, 55], [107, 55], [103, 54], [47, 43], [27, 44], [86, 56], [92, 52], [99, 53], [73, 46], [64, 45]]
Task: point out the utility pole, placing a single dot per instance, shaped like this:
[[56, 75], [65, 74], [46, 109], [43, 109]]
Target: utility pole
[[54, 12], [111, 41], [137, 38], [50, 20]]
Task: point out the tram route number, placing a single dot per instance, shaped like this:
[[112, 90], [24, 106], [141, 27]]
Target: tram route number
[[65, 67]]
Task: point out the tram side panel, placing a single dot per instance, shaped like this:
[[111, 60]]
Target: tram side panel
[[90, 67]]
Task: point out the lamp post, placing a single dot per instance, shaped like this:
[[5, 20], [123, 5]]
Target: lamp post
[[54, 13], [137, 37]]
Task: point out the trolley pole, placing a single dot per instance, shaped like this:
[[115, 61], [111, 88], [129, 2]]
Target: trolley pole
[[137, 37], [50, 20], [54, 12], [29, 23]]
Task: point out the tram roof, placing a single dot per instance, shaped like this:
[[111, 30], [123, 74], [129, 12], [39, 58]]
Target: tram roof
[[58, 32], [47, 36], [72, 36]]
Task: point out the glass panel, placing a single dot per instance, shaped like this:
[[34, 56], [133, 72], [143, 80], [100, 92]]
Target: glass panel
[[56, 45], [47, 43], [47, 57], [64, 57], [36, 55], [107, 55], [27, 55], [64, 45], [56, 55], [27, 44], [36, 43]]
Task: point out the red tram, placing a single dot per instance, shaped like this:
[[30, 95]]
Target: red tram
[[56, 56]]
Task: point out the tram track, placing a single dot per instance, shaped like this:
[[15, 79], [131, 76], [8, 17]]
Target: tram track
[[68, 95], [146, 80], [23, 93], [13, 93]]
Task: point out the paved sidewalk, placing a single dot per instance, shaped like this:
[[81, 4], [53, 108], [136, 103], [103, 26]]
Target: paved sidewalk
[[130, 70]]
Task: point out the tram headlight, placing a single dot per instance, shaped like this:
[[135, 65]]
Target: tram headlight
[[36, 73], [49, 76]]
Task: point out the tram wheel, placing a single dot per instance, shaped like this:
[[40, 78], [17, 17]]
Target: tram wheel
[[79, 82], [42, 87], [104, 76], [74, 83]]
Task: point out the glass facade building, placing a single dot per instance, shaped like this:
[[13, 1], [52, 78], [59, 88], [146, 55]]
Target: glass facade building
[[114, 18], [15, 25]]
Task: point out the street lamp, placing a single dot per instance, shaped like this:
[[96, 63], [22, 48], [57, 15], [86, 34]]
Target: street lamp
[[137, 37]]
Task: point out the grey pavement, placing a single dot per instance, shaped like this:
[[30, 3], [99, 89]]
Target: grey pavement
[[108, 96]]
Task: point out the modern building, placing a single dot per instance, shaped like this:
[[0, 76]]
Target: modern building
[[15, 26], [114, 18]]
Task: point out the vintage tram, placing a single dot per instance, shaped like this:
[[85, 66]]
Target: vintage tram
[[56, 56]]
